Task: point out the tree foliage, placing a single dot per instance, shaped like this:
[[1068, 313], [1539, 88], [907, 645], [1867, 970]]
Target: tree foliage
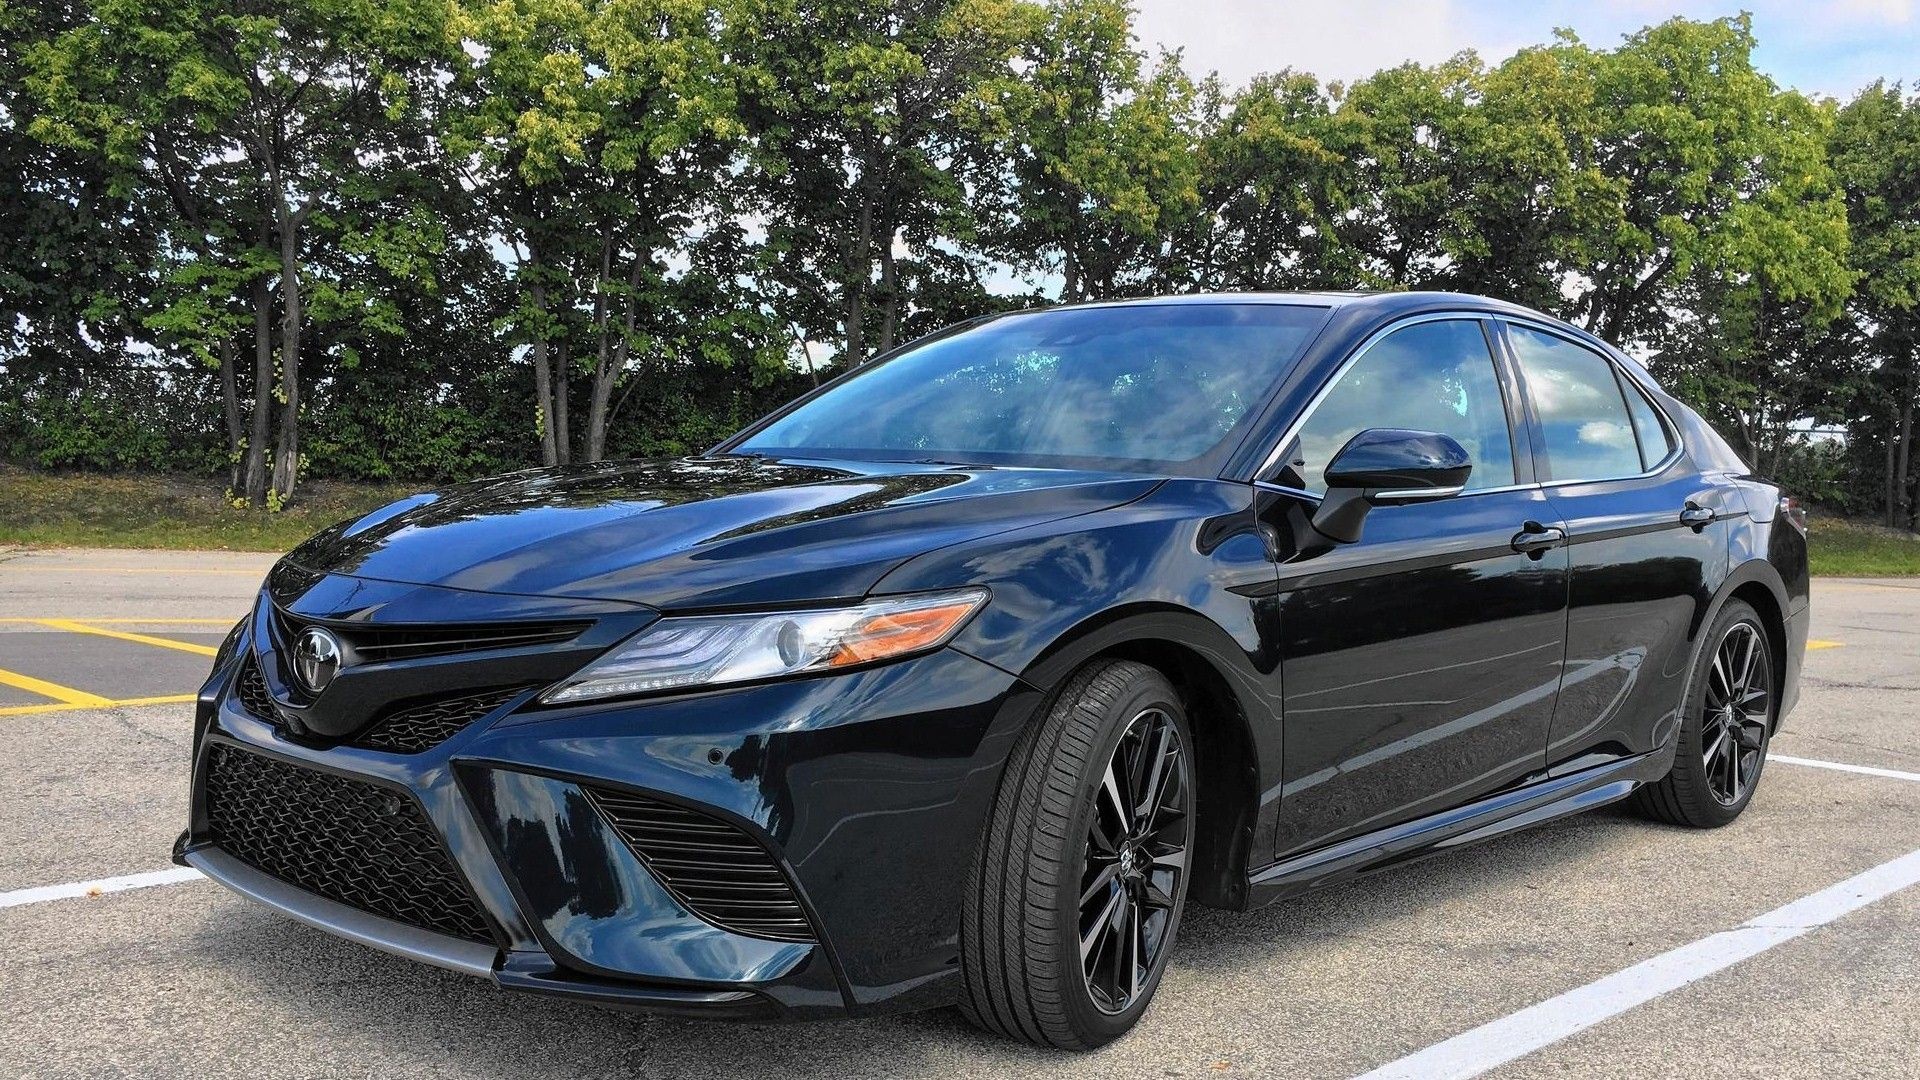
[[433, 238]]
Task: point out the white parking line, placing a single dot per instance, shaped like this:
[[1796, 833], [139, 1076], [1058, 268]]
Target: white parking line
[[1864, 770], [1494, 1044], [102, 886]]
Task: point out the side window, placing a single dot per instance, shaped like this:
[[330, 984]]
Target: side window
[[1656, 442], [1588, 432], [1434, 376]]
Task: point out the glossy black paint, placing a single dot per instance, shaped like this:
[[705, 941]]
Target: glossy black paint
[[1466, 666], [1392, 458]]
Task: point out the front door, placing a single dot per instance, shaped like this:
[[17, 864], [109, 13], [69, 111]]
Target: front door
[[1420, 666]]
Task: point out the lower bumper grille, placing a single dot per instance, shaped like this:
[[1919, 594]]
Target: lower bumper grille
[[720, 873], [353, 842]]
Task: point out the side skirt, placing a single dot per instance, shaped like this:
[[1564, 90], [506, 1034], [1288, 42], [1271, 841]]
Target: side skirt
[[1496, 815]]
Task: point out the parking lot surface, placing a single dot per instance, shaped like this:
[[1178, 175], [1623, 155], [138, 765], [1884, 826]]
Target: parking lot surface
[[1787, 944]]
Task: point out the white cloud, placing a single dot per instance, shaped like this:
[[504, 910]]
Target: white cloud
[[1832, 47], [1897, 12], [1243, 38]]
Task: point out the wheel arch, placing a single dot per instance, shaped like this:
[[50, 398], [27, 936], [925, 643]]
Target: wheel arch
[[1220, 688], [1758, 584]]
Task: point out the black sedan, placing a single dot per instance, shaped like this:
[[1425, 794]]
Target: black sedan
[[955, 680]]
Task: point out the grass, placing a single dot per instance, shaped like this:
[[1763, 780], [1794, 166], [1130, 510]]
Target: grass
[[1837, 547], [167, 511], [163, 511]]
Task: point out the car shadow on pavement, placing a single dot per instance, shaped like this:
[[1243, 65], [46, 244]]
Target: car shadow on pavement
[[404, 1012]]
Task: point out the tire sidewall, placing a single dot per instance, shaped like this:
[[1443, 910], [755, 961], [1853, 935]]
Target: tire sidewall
[[1147, 691]]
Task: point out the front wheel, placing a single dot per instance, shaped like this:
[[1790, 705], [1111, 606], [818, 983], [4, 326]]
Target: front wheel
[[1081, 877], [1725, 727]]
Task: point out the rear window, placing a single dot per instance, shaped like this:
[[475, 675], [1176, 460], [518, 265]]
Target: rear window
[[1656, 442]]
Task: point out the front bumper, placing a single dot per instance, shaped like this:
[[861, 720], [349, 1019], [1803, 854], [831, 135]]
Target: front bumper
[[869, 789]]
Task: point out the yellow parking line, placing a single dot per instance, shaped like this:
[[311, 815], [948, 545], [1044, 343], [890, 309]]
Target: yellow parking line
[[45, 568], [130, 622], [143, 639], [32, 710], [67, 695], [1816, 643]]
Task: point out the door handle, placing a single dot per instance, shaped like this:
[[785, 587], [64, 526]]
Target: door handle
[[1536, 539], [1699, 517]]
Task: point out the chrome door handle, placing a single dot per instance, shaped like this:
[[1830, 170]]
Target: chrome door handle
[[1534, 538], [1699, 517]]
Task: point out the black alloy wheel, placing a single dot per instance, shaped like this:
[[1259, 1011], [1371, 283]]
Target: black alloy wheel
[[1081, 876], [1738, 712], [1135, 861], [1726, 724]]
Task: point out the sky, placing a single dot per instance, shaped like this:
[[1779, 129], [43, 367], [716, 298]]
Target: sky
[[1832, 48]]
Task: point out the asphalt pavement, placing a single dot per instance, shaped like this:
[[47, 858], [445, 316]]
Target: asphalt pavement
[[1787, 944]]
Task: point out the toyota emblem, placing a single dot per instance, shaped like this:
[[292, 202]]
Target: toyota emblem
[[316, 659]]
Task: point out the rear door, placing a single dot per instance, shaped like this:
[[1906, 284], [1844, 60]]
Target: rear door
[[1646, 540], [1419, 665]]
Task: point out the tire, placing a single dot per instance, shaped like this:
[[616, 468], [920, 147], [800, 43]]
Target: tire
[[1056, 835], [1721, 753]]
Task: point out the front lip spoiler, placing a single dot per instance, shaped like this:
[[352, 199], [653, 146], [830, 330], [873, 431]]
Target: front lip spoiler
[[413, 943], [524, 972]]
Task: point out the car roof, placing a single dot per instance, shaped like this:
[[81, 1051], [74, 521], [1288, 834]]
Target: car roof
[[1385, 301], [1362, 304]]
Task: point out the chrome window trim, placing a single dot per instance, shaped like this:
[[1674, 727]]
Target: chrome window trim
[[1421, 494], [1622, 371], [1303, 493], [1293, 430]]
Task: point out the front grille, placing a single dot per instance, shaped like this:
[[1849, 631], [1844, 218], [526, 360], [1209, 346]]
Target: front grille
[[377, 644], [419, 728], [353, 842], [254, 696], [713, 868]]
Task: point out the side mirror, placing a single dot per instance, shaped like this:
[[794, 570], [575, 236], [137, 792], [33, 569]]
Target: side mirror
[[1387, 467]]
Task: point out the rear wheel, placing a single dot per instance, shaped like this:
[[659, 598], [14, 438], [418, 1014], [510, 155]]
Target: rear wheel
[[1727, 723], [1082, 875]]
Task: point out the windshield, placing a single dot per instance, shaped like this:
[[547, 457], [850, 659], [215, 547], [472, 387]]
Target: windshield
[[1145, 386]]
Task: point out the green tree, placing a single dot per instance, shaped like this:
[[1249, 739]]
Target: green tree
[[1100, 150], [598, 135], [863, 171], [1673, 156], [246, 118], [1876, 151]]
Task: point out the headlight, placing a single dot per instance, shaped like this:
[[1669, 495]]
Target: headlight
[[710, 650]]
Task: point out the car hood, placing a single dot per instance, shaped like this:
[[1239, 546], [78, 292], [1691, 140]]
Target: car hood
[[700, 532]]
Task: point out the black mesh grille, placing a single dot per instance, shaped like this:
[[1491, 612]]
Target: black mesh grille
[[357, 843], [716, 870], [422, 727], [254, 696]]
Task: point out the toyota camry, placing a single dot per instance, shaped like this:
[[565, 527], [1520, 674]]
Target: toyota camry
[[957, 679]]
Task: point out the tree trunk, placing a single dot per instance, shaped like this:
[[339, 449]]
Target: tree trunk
[[859, 263], [562, 388], [602, 356], [286, 459], [890, 294], [612, 364], [1886, 483], [806, 354], [1902, 491], [542, 368], [230, 405], [255, 480]]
